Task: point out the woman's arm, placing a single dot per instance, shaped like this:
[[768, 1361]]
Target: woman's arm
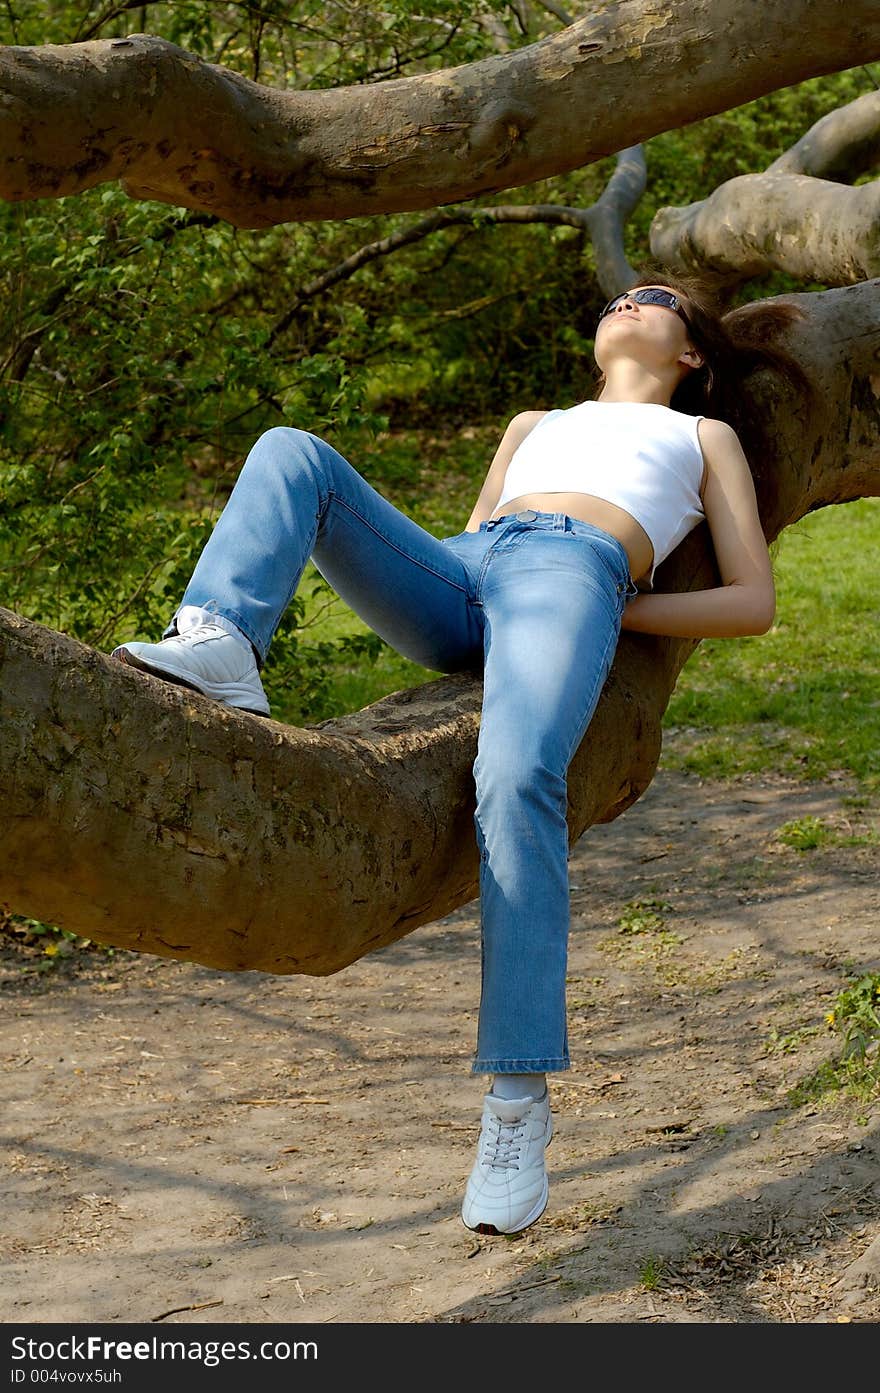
[[511, 440], [745, 602]]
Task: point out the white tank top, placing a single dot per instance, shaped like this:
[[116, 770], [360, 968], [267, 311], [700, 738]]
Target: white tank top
[[642, 456]]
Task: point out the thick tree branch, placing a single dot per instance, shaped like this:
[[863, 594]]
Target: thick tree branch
[[149, 817], [610, 214], [185, 132], [783, 219], [812, 229], [841, 145]]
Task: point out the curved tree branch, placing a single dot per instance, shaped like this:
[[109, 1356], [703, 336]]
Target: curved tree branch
[[610, 213], [812, 229], [182, 131], [149, 817], [791, 217], [841, 145]]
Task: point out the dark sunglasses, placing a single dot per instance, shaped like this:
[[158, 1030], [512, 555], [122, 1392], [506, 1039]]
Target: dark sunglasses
[[648, 295]]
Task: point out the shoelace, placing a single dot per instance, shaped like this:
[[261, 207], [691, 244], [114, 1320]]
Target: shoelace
[[499, 1151], [200, 632]]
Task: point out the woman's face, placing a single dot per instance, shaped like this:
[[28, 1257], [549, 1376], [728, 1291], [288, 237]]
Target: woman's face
[[653, 334]]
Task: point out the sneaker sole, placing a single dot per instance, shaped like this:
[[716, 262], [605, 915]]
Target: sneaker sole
[[529, 1219], [131, 660]]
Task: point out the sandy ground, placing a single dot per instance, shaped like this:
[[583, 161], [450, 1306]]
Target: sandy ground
[[186, 1145]]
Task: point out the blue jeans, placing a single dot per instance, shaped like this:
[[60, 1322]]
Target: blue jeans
[[533, 600]]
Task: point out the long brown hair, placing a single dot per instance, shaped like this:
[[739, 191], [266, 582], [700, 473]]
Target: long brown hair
[[735, 345]]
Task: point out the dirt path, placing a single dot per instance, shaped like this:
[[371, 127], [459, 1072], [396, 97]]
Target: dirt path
[[252, 1148]]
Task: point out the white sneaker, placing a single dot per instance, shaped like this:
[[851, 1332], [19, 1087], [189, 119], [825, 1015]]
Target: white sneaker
[[209, 660], [507, 1189]]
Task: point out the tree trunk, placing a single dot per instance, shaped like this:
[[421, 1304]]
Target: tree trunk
[[182, 131], [152, 818]]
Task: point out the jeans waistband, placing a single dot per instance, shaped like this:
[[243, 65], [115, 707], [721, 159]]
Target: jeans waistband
[[556, 522], [562, 522], [551, 522]]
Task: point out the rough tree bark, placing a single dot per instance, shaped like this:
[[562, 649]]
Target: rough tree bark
[[150, 818], [794, 217], [179, 130]]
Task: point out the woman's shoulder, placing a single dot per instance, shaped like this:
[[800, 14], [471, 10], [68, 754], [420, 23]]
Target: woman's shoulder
[[525, 422], [531, 418], [721, 447], [712, 427], [715, 435], [712, 435]]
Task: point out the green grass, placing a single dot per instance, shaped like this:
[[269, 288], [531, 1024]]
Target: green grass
[[808, 833], [803, 699], [788, 1043], [651, 1273]]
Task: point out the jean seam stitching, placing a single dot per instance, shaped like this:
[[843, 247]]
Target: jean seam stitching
[[537, 1064], [613, 639], [598, 550], [425, 565], [514, 539], [295, 584]]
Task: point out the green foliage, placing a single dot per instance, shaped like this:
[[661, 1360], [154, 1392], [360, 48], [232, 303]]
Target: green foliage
[[43, 948], [652, 1273], [129, 406], [788, 1042], [309, 44], [804, 833], [144, 348], [856, 1015], [642, 916], [855, 1020]]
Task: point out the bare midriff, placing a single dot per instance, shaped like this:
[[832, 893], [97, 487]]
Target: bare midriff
[[587, 508]]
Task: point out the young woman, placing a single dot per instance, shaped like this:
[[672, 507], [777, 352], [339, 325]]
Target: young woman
[[579, 504]]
